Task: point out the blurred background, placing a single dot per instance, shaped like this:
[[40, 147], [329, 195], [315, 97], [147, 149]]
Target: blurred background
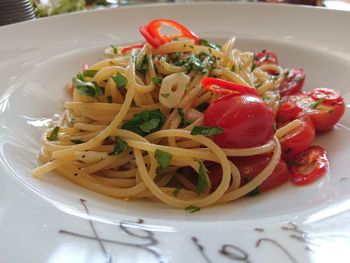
[[12, 11]]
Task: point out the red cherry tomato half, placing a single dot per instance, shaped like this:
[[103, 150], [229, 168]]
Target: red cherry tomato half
[[249, 168], [293, 82], [288, 111], [323, 115], [298, 139], [247, 121], [328, 96], [129, 48], [224, 87], [265, 57], [309, 165], [155, 38]]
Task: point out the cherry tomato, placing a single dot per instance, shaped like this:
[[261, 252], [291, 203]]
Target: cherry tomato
[[298, 139], [309, 165], [265, 57], [250, 167], [151, 32], [288, 111], [324, 115], [224, 87], [328, 96], [247, 121], [293, 82]]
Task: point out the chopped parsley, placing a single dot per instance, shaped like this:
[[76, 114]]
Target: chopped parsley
[[206, 131], [87, 88], [119, 146], [202, 107], [76, 141], [143, 66], [203, 182], [176, 192], [114, 49], [165, 95], [53, 134], [163, 158], [146, 122], [181, 113], [120, 80], [206, 43], [316, 103], [109, 99], [89, 73], [156, 80], [192, 209]]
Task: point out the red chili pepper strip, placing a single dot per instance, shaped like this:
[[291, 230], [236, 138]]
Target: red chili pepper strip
[[223, 87], [309, 165], [129, 48], [151, 32]]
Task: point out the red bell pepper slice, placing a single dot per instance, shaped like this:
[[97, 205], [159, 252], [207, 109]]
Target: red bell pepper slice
[[309, 165], [129, 48], [223, 87], [151, 32]]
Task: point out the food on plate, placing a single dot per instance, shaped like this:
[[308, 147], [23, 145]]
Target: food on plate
[[187, 122]]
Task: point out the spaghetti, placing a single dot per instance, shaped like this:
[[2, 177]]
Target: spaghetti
[[127, 131]]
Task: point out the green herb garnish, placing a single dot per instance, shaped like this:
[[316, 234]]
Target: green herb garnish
[[89, 73], [192, 209], [163, 158], [165, 95], [119, 146], [87, 88], [176, 192], [53, 134], [206, 131], [120, 80], [202, 107], [145, 122], [109, 99], [76, 141], [156, 80], [206, 43], [114, 49], [203, 182], [316, 103]]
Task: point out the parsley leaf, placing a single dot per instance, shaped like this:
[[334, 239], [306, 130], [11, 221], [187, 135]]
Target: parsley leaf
[[119, 146], [53, 134], [316, 103], [109, 99], [76, 141], [120, 80], [145, 122], [181, 112], [192, 209], [176, 192], [89, 73], [87, 88], [165, 95], [156, 80], [163, 158], [203, 183], [143, 66], [114, 49], [202, 107], [149, 125], [206, 43], [206, 131]]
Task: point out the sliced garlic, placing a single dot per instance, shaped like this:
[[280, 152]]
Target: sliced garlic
[[173, 88]]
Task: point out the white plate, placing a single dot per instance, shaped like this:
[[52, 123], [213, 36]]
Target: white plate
[[46, 221]]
